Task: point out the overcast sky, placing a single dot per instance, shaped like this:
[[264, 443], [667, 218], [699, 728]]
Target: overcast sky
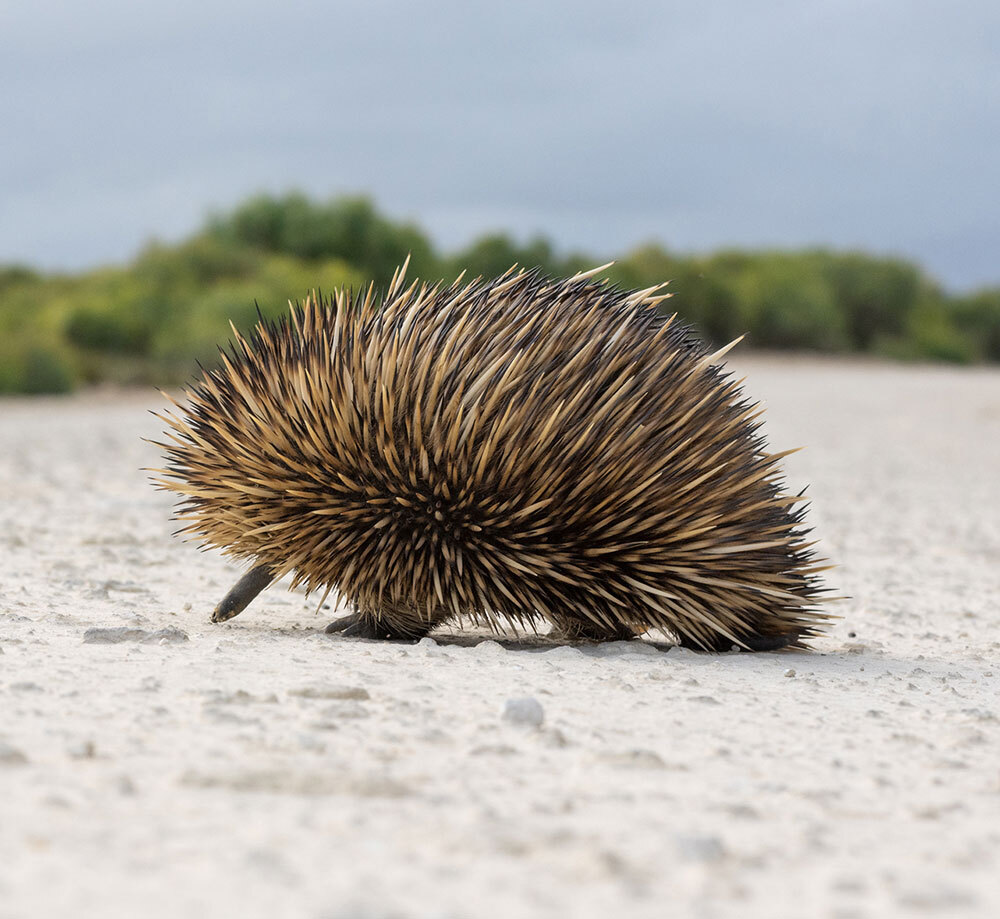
[[849, 123]]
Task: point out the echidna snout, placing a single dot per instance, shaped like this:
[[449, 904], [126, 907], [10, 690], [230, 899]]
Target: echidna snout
[[523, 449]]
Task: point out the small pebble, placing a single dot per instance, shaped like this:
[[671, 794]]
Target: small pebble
[[98, 636], [311, 743], [700, 848], [526, 711], [553, 737], [634, 759], [428, 647], [493, 750], [11, 756], [83, 750], [789, 672], [341, 711], [331, 692], [706, 700], [490, 647]]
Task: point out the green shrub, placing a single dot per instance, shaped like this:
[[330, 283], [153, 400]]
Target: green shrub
[[45, 370], [201, 324], [702, 292], [349, 229], [978, 317], [151, 320], [108, 330], [490, 256], [35, 368], [11, 275], [931, 336], [784, 303], [199, 262], [877, 297]]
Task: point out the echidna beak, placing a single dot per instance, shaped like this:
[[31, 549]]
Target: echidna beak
[[243, 593]]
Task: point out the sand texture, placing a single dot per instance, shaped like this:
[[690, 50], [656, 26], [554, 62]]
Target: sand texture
[[155, 765]]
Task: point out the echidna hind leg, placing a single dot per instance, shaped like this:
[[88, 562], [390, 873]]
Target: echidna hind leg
[[756, 642], [243, 593], [588, 630]]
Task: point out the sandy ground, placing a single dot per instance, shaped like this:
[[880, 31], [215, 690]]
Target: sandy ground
[[261, 768]]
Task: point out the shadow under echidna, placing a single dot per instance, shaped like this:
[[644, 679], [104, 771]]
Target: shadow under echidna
[[521, 449]]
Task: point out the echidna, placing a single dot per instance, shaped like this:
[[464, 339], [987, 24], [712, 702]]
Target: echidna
[[521, 449]]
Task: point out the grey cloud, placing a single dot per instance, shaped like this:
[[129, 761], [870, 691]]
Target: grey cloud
[[835, 122]]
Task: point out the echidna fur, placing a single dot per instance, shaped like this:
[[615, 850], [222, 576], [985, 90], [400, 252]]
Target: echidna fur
[[521, 449]]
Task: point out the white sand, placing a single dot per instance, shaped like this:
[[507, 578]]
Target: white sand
[[262, 768]]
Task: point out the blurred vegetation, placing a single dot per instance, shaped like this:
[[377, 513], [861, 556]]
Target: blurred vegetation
[[151, 320]]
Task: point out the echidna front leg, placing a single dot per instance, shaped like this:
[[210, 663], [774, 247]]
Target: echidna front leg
[[360, 626], [243, 593], [386, 624]]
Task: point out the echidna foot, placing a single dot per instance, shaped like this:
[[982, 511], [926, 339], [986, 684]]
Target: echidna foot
[[755, 642], [358, 625]]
